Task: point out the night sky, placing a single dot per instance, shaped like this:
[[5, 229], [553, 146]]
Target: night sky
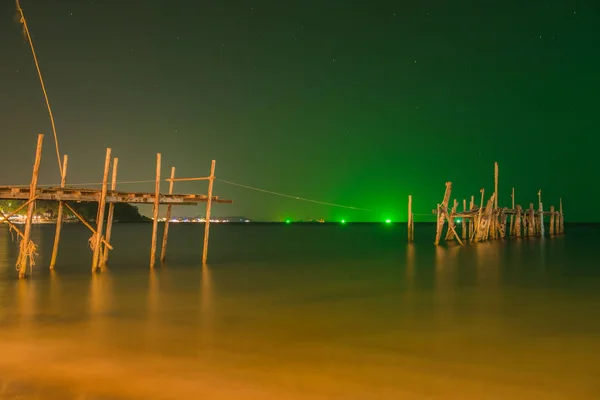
[[347, 102]]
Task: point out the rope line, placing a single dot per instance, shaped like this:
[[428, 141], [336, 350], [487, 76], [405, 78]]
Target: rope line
[[39, 71], [291, 197]]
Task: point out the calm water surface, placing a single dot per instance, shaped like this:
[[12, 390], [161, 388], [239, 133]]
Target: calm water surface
[[303, 312]]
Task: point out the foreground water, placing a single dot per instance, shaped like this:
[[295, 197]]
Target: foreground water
[[303, 312]]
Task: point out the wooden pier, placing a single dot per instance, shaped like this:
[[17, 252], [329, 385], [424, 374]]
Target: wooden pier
[[489, 221], [100, 239]]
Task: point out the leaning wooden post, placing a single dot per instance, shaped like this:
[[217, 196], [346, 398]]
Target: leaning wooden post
[[410, 220], [155, 213], [552, 221], [100, 215], [111, 211], [211, 180], [27, 248], [59, 216], [163, 250]]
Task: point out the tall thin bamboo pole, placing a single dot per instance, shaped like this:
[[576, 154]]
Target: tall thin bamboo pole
[[208, 210], [59, 216], [155, 213], [100, 216], [111, 210], [24, 250], [163, 250]]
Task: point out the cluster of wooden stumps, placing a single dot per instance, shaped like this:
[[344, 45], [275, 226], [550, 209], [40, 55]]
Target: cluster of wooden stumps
[[484, 222], [101, 235]]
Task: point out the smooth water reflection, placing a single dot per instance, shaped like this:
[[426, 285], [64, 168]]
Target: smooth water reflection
[[492, 321]]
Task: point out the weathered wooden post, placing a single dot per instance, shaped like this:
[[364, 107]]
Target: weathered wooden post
[[163, 250], [155, 213], [464, 221], [111, 211], [410, 224], [541, 211], [100, 216], [552, 220], [472, 219], [531, 221], [561, 219], [511, 231], [211, 180], [494, 221], [27, 248], [518, 217], [59, 216]]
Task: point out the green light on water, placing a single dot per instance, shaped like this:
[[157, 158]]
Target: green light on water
[[288, 221], [388, 221], [343, 221]]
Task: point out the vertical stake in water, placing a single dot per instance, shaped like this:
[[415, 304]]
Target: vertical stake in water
[[541, 213], [155, 213], [211, 180], [111, 212], [163, 250], [25, 252], [510, 231], [410, 220], [59, 216], [100, 215]]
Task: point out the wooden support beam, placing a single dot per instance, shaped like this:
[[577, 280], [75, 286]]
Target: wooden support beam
[[208, 210], [163, 250], [410, 224], [100, 219], [111, 212], [84, 222], [451, 221], [552, 220], [27, 247], [155, 213], [202, 178], [59, 216]]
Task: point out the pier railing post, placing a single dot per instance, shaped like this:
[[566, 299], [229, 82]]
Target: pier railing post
[[59, 215], [163, 250], [111, 211], [27, 248], [100, 216], [155, 213], [211, 180]]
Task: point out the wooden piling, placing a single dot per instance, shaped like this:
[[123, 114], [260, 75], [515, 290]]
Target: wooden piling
[[410, 224], [155, 213], [518, 218], [561, 218], [464, 221], [552, 221], [97, 242], [163, 250], [111, 211], [472, 219], [208, 209], [510, 230], [27, 247], [59, 216]]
